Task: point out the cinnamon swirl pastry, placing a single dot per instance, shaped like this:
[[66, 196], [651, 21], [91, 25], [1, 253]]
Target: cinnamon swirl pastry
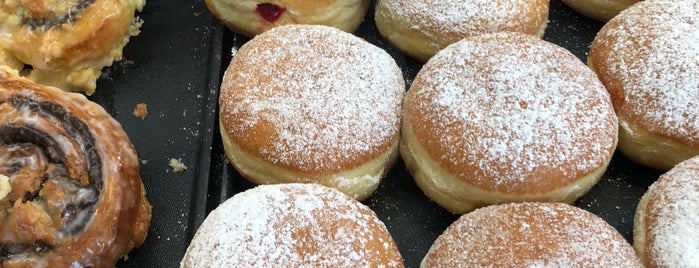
[[70, 190], [66, 43]]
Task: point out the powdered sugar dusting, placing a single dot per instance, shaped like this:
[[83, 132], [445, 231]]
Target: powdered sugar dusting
[[531, 235], [291, 225], [674, 234], [660, 72], [461, 18], [515, 109], [330, 96]]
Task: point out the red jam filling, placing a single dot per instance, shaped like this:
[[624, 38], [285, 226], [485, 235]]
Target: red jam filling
[[269, 12]]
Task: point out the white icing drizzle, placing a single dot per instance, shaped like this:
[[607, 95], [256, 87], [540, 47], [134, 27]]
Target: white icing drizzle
[[330, 96], [661, 77], [674, 234], [293, 225]]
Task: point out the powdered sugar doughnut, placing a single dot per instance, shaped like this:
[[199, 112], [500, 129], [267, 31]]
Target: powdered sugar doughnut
[[251, 17], [666, 225], [292, 225], [602, 10], [506, 117], [648, 59], [530, 235], [303, 103], [421, 28]]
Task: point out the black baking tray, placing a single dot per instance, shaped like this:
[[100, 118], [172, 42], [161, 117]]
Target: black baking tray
[[175, 66], [172, 66]]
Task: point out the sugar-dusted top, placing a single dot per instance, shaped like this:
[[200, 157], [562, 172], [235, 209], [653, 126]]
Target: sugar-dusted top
[[512, 113], [648, 58], [312, 98], [292, 225], [456, 19], [530, 235], [672, 222]]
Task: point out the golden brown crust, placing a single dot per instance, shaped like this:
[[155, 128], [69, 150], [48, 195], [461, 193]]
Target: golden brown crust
[[294, 225], [601, 10], [76, 193], [243, 16], [358, 182], [509, 113], [68, 48], [421, 28], [530, 235], [646, 58]]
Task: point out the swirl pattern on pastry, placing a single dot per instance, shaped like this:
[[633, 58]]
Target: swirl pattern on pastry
[[66, 43], [70, 190]]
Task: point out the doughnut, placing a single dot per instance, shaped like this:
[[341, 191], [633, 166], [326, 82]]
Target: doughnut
[[601, 10], [530, 234], [666, 224], [647, 59], [420, 28], [252, 17], [506, 117], [66, 43], [292, 225], [70, 190], [311, 103]]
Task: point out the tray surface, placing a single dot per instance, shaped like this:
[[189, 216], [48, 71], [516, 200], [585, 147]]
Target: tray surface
[[175, 65], [171, 66]]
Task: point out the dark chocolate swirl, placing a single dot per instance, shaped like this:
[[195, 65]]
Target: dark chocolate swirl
[[75, 194], [43, 14]]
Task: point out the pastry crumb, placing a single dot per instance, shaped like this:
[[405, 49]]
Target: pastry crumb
[[5, 187], [177, 166], [141, 111]]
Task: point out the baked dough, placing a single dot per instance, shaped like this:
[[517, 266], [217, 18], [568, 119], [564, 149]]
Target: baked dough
[[73, 196], [601, 10], [421, 28], [311, 103], [647, 59], [666, 224], [66, 43], [292, 225], [530, 235], [506, 117], [251, 17]]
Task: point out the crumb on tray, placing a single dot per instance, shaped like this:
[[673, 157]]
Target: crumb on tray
[[140, 111], [177, 166]]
